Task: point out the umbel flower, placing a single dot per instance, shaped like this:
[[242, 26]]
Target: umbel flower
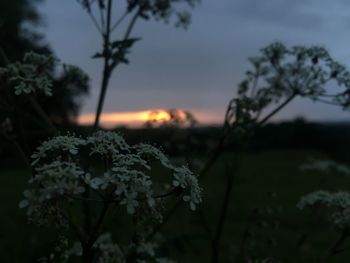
[[326, 166], [31, 75], [66, 166], [281, 73], [337, 204]]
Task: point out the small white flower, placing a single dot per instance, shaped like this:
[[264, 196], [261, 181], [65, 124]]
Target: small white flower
[[130, 200]]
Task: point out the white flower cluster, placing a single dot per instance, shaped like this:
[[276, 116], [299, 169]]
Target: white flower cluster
[[108, 251], [147, 252], [338, 204], [30, 75], [327, 166], [62, 173], [58, 146], [280, 73], [57, 179], [185, 179]]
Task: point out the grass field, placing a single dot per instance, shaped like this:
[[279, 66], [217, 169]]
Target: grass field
[[267, 182]]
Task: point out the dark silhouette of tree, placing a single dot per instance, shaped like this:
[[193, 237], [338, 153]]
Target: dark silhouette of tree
[[18, 20]]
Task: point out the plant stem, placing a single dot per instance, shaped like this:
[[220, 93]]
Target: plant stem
[[217, 153], [281, 106], [109, 67], [106, 68], [223, 215], [88, 254], [336, 247], [117, 23]]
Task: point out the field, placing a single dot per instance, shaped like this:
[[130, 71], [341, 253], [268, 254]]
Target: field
[[263, 217]]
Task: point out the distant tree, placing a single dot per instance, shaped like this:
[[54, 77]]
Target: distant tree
[[17, 35], [18, 20]]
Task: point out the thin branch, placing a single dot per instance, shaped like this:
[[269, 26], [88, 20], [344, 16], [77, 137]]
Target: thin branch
[[102, 18], [166, 218], [77, 230], [98, 225], [224, 210], [272, 113], [127, 34], [118, 22], [85, 199], [217, 153], [336, 247], [108, 68], [94, 20]]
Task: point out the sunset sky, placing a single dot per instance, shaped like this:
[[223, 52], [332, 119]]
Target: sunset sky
[[199, 69]]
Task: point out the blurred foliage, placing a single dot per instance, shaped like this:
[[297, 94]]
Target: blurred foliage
[[17, 20], [18, 35]]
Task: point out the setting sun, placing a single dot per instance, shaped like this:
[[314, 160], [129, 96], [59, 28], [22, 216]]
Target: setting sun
[[158, 116], [139, 118]]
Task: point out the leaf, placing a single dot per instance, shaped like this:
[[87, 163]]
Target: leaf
[[97, 55], [125, 44]]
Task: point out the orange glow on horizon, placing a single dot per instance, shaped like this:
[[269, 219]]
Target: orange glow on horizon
[[158, 116], [115, 117], [137, 119]]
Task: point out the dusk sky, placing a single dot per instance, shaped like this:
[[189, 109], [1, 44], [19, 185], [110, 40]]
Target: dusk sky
[[198, 69]]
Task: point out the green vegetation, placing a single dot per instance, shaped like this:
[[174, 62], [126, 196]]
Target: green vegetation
[[269, 182]]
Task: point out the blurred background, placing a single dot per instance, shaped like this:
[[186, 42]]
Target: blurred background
[[174, 94], [197, 69]]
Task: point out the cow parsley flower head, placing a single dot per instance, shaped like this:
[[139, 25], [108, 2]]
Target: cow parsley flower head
[[337, 205], [106, 143], [66, 165], [58, 146], [280, 73], [31, 75], [53, 181], [326, 166], [185, 179]]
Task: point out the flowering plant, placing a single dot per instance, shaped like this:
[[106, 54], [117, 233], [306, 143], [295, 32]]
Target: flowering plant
[[63, 173]]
